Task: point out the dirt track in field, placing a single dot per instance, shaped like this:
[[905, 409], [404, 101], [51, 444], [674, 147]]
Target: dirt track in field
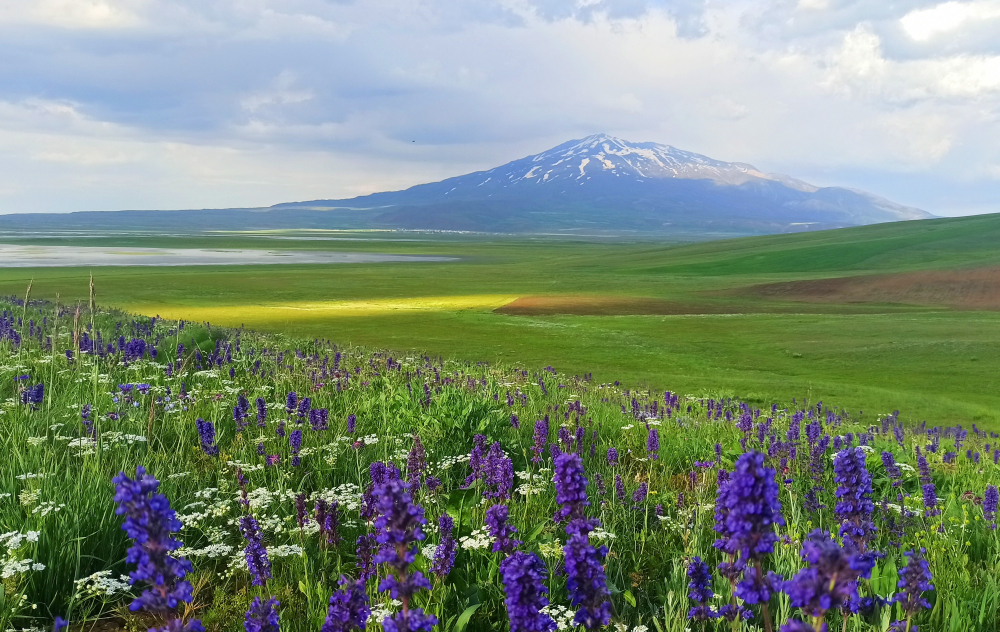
[[977, 289]]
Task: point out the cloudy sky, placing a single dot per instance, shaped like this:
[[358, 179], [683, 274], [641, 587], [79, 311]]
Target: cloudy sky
[[112, 104]]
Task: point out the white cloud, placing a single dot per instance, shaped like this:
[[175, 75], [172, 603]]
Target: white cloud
[[924, 24], [156, 103], [78, 14], [860, 68]]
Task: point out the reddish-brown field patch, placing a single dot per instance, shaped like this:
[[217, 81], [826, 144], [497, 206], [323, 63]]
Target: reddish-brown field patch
[[977, 288]]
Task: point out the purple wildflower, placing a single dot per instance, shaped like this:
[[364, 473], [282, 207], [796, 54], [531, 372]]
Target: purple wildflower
[[477, 459], [398, 525], [653, 443], [295, 444], [586, 581], [854, 504], [416, 463], [261, 412], [619, 488], [500, 530], [444, 554], [990, 500], [206, 432], [541, 437], [700, 590], [150, 523], [571, 487], [930, 500], [612, 456], [498, 473], [262, 616], [892, 470], [831, 579], [639, 495], [348, 608], [747, 508], [366, 548], [256, 555], [914, 581], [524, 593]]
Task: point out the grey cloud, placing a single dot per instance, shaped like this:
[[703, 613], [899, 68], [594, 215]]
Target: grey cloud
[[286, 100]]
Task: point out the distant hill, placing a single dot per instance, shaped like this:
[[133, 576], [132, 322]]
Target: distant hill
[[599, 184]]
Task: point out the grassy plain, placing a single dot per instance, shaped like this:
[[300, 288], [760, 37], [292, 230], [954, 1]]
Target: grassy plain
[[707, 332]]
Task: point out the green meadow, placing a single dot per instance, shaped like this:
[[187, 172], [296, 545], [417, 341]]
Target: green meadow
[[675, 316]]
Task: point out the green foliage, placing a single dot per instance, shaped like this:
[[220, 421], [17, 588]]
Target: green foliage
[[57, 482]]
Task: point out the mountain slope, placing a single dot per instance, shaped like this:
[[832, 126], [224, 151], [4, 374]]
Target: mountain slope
[[605, 183], [599, 184]]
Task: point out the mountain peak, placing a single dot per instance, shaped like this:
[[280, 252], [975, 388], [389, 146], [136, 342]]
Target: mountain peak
[[605, 182]]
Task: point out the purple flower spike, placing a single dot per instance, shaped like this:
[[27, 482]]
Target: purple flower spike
[[256, 555], [990, 500], [653, 443], [750, 507], [854, 504], [524, 593], [500, 530], [586, 581], [444, 555], [398, 524], [262, 616], [348, 609], [206, 432], [700, 590], [914, 581], [831, 579], [150, 523], [612, 456], [571, 487]]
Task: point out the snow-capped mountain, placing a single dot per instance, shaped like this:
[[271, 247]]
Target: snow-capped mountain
[[609, 184], [599, 184], [579, 161]]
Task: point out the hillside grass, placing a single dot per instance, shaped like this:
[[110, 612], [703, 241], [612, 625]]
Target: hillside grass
[[930, 362]]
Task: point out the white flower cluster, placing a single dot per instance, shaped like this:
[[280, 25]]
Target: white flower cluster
[[380, 612], [14, 539], [101, 584], [601, 534], [16, 567], [29, 497], [260, 498], [29, 476], [246, 467], [347, 496], [449, 461], [533, 483], [48, 507], [562, 615], [113, 438], [621, 627], [211, 551], [551, 550], [478, 539]]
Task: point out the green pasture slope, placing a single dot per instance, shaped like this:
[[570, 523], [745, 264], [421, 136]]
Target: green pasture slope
[[931, 362]]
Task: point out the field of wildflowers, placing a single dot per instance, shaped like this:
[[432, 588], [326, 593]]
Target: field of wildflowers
[[186, 477]]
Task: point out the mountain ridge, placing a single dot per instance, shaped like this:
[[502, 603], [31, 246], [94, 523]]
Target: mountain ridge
[[596, 185], [663, 185]]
